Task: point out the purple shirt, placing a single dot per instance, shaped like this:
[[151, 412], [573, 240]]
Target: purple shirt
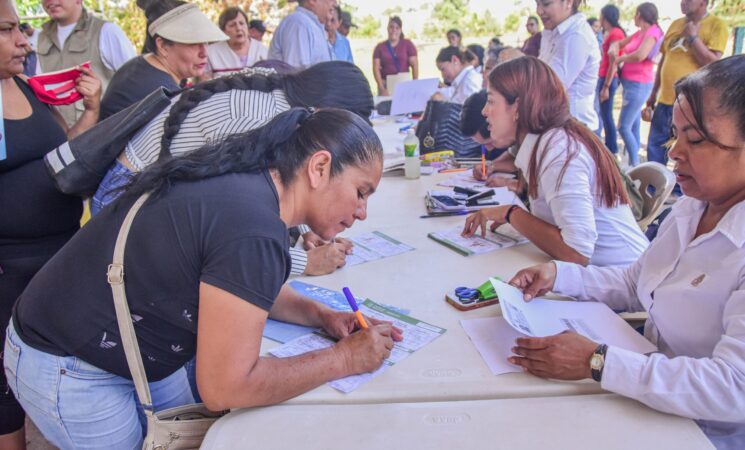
[[404, 50]]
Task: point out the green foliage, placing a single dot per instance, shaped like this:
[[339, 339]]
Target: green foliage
[[512, 22], [447, 14], [731, 11], [368, 27]]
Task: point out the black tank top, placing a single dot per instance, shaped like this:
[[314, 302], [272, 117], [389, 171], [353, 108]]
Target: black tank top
[[35, 219]]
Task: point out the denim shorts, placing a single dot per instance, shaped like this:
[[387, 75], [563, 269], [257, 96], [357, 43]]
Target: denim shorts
[[76, 405]]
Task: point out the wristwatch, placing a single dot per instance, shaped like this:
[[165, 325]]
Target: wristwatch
[[597, 362], [691, 39]]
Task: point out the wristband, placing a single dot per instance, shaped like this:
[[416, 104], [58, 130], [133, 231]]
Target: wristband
[[509, 213], [691, 39]]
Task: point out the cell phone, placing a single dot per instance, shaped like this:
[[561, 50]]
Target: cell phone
[[466, 305]]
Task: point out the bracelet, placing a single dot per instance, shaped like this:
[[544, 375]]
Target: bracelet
[[509, 213], [691, 39]]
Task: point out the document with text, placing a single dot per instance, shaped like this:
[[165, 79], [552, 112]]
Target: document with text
[[416, 333]]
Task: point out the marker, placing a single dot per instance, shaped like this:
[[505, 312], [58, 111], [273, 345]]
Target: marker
[[453, 170], [353, 304], [483, 160], [405, 127]]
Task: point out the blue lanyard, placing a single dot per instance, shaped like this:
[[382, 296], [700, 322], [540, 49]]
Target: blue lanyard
[[3, 153]]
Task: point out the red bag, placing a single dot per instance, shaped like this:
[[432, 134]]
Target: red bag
[[58, 88]]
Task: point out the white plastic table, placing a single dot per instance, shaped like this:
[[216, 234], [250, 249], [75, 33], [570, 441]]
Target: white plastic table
[[578, 422], [449, 368]]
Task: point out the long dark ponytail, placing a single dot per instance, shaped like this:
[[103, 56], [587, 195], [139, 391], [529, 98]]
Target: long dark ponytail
[[283, 144], [333, 84]]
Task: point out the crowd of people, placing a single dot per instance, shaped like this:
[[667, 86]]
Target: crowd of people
[[262, 146]]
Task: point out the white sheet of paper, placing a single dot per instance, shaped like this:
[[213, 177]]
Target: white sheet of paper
[[375, 245], [417, 334], [412, 96], [476, 245], [493, 337], [594, 320]]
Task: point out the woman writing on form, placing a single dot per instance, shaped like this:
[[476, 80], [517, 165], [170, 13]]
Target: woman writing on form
[[579, 208]]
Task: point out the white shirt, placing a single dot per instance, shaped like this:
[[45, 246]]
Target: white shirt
[[694, 291], [33, 40], [607, 236], [467, 83], [113, 44], [300, 40], [221, 58], [571, 49]]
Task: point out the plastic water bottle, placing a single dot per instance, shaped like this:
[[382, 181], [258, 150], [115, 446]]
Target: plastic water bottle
[[412, 164]]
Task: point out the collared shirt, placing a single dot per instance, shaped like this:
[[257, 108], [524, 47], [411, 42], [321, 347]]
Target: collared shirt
[[694, 291], [300, 40], [572, 202], [571, 49], [467, 83], [342, 49]]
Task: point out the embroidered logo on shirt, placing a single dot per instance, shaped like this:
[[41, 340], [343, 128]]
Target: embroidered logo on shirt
[[106, 344], [698, 280], [186, 315], [176, 348], [135, 318]]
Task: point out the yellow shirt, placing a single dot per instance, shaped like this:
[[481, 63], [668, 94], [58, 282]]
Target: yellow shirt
[[679, 58]]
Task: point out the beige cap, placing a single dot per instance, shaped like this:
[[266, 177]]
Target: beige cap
[[186, 25]]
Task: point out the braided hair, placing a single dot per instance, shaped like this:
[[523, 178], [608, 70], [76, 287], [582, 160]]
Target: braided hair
[[283, 144], [333, 84]]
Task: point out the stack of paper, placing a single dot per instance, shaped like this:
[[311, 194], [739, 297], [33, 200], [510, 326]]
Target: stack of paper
[[504, 237]]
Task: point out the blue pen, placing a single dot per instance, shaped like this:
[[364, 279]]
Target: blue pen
[[353, 305], [406, 127]]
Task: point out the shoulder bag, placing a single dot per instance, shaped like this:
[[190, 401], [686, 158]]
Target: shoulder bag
[[439, 130], [179, 428]]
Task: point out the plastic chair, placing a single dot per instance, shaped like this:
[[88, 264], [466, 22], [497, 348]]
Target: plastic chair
[[656, 184]]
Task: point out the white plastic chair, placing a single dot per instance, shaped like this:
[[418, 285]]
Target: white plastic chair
[[661, 180]]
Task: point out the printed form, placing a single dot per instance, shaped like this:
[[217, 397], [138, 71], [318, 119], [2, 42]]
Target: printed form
[[373, 246], [417, 334], [495, 336]]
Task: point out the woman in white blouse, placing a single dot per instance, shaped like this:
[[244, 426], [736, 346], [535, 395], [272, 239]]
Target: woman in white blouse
[[691, 280], [570, 47], [238, 52], [579, 210], [461, 76]]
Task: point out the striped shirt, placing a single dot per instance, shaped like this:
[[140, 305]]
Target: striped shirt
[[223, 114]]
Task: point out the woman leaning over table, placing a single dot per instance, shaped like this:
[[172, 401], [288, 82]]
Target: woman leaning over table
[[691, 280], [203, 288], [637, 74], [36, 220], [579, 208]]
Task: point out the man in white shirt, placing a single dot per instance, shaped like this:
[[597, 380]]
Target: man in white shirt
[[72, 36], [300, 40], [570, 47]]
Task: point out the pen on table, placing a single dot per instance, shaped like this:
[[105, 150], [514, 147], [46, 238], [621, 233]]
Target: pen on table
[[353, 304], [405, 127], [445, 214], [483, 159], [453, 170]]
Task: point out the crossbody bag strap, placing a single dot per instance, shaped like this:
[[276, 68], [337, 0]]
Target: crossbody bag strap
[[115, 275], [396, 62]]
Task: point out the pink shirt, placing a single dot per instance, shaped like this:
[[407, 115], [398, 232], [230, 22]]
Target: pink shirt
[[643, 71]]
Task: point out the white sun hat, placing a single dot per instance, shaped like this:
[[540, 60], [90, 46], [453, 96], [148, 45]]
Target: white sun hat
[[186, 24]]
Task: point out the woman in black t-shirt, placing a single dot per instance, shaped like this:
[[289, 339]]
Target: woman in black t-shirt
[[206, 260], [35, 219]]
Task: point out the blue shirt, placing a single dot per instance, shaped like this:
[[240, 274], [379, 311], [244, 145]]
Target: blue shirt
[[342, 50], [300, 40]]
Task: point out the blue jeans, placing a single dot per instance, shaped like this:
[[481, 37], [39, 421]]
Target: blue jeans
[[110, 188], [77, 405], [635, 94], [605, 114], [660, 133]]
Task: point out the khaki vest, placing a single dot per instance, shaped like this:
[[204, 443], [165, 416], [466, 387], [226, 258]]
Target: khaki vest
[[81, 46]]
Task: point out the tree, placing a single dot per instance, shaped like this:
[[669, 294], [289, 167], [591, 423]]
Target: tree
[[447, 14], [368, 27]]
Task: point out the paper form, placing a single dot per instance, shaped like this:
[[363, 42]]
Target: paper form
[[416, 333], [412, 96], [475, 245], [373, 246], [283, 332], [494, 338], [594, 320]]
